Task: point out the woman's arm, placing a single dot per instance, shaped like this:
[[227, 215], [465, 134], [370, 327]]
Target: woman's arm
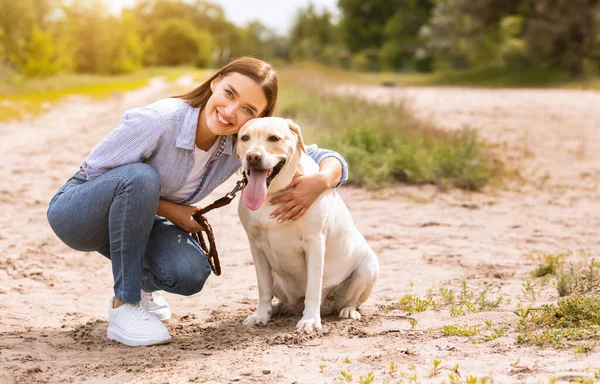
[[320, 154], [304, 190], [133, 141]]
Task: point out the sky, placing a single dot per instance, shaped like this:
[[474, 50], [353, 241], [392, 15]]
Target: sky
[[276, 14]]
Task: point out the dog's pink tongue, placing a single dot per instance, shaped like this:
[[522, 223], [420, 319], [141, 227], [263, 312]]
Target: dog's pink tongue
[[255, 192]]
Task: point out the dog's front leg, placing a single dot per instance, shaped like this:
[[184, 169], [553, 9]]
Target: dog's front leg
[[265, 288], [315, 260]]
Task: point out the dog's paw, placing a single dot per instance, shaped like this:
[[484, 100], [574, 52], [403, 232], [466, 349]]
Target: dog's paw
[[257, 318], [349, 313], [309, 324]]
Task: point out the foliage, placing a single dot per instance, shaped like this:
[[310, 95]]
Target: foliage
[[314, 36], [519, 33], [401, 48], [364, 22], [180, 43], [568, 322], [46, 37]]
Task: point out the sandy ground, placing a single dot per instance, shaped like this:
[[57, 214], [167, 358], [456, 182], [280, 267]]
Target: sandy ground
[[53, 300]]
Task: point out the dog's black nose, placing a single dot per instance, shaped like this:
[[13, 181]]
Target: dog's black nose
[[253, 157]]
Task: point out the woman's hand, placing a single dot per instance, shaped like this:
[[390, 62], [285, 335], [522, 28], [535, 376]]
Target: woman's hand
[[304, 190], [180, 215]]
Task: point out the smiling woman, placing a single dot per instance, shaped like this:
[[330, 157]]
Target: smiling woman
[[227, 110], [143, 179]]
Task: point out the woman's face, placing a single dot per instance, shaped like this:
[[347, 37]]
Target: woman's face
[[235, 100]]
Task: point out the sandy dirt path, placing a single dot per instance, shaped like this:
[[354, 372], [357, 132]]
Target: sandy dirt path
[[53, 300]]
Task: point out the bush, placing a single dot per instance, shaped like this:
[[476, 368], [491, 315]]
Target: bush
[[178, 42]]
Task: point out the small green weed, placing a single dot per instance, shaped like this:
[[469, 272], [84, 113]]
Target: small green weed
[[367, 379], [459, 330], [550, 264], [436, 368], [345, 376], [578, 279]]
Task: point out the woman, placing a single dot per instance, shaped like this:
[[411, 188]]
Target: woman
[[131, 199]]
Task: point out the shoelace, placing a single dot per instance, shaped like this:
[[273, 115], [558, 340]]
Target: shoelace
[[140, 312]]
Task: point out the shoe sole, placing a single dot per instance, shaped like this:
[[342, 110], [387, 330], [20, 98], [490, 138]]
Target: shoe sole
[[117, 335]]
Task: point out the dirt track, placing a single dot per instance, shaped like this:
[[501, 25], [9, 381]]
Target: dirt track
[[53, 306]]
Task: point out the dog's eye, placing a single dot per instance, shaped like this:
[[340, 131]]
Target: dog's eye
[[273, 139], [245, 138]]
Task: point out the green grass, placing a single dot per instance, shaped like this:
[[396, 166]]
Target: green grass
[[383, 143], [578, 278], [20, 98], [569, 322], [574, 321], [551, 264]]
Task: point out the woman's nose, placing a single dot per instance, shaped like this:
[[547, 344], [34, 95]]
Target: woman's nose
[[230, 109]]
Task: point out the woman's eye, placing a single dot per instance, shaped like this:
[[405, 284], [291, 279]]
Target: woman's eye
[[248, 111], [273, 139], [229, 93], [245, 138]]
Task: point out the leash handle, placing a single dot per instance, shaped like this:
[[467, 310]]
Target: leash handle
[[210, 250]]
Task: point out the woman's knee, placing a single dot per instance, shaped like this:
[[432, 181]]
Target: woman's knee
[[191, 281], [141, 176]]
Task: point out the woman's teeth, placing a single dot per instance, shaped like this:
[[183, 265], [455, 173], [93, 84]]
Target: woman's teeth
[[222, 120]]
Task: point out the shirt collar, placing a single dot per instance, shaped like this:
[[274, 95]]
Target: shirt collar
[[187, 137]]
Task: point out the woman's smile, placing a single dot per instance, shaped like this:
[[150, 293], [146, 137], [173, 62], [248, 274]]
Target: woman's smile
[[222, 120]]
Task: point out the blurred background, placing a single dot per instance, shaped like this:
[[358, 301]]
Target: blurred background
[[50, 49], [556, 38]]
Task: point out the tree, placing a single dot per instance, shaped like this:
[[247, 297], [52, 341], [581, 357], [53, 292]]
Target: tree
[[178, 42], [126, 49], [312, 33], [363, 22], [17, 21], [559, 34], [40, 55], [401, 35], [562, 33]]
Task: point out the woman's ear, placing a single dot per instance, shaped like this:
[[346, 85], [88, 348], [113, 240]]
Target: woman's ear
[[295, 129], [214, 82]]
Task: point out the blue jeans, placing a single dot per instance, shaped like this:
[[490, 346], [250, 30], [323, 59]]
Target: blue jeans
[[115, 215]]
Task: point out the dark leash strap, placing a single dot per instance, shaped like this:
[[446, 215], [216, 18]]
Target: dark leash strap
[[211, 251]]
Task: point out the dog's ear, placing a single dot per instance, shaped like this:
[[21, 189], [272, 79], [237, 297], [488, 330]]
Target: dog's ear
[[295, 128]]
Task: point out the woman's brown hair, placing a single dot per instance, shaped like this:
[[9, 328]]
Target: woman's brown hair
[[258, 70]]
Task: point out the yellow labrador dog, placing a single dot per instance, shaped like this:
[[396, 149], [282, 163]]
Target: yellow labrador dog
[[318, 264]]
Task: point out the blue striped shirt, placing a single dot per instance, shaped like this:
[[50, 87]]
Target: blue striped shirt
[[163, 135]]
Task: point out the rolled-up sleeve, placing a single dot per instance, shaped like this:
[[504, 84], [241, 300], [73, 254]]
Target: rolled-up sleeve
[[133, 141], [318, 154]]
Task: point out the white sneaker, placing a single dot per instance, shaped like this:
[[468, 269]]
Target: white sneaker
[[155, 303], [132, 325]]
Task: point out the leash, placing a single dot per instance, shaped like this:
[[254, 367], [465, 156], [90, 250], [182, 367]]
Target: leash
[[211, 251]]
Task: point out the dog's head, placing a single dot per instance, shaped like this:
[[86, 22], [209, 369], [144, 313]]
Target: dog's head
[[265, 145]]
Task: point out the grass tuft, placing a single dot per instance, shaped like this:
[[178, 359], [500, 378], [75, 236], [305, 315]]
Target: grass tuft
[[571, 319]]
